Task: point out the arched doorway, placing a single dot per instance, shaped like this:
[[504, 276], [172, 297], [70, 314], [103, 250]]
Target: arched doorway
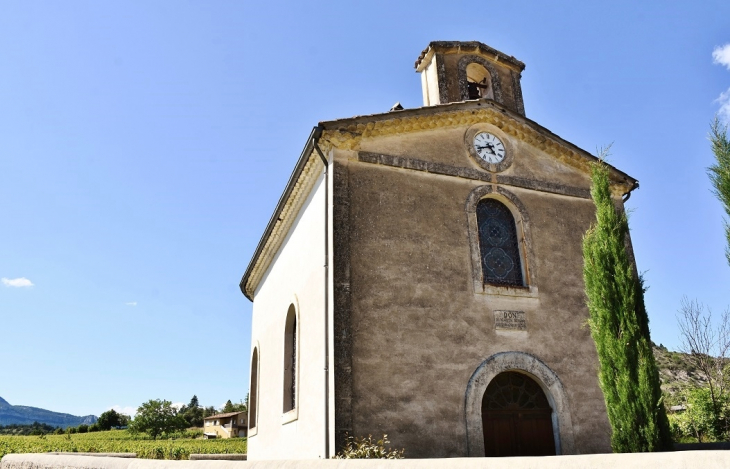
[[516, 417], [522, 362]]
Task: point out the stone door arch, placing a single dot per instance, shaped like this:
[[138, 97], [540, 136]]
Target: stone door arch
[[529, 365]]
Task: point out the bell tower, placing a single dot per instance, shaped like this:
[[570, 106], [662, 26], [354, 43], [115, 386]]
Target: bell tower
[[453, 71]]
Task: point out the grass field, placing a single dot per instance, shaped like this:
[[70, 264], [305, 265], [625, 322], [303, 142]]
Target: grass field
[[120, 441]]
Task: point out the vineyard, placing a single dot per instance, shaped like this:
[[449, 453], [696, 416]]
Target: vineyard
[[120, 441]]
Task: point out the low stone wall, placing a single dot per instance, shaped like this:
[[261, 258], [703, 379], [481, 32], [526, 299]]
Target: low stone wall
[[100, 455], [675, 460], [218, 457]]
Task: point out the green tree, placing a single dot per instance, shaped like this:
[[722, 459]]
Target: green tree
[[628, 375], [228, 407], [720, 172], [240, 407], [156, 417], [208, 411], [111, 418], [193, 413], [124, 420]]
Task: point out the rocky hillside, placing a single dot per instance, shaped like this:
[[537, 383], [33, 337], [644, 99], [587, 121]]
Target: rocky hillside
[[20, 414], [677, 372]]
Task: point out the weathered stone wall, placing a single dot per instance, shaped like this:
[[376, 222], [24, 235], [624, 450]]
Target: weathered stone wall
[[505, 81], [418, 327]]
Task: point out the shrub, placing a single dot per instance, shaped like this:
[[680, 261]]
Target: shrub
[[366, 448], [699, 420], [83, 428]]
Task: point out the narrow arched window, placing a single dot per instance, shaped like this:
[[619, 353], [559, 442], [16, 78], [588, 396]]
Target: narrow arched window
[[290, 360], [254, 390], [498, 244]]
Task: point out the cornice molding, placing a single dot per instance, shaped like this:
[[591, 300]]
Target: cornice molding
[[350, 133], [464, 47], [299, 194]]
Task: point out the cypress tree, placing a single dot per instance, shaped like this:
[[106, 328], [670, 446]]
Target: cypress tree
[[720, 173], [628, 374]]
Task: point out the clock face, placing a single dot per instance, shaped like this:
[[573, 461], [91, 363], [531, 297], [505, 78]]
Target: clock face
[[489, 148]]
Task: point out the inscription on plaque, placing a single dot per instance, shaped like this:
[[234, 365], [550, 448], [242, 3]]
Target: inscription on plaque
[[510, 320]]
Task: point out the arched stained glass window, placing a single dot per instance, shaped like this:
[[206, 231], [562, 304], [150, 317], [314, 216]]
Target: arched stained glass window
[[290, 360], [254, 390], [499, 249]]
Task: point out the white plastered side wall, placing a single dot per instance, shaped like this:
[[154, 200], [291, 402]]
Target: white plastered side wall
[[295, 275]]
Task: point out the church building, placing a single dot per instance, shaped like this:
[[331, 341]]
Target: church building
[[421, 277]]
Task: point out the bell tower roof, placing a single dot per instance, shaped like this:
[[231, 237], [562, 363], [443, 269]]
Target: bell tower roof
[[465, 47], [455, 71]]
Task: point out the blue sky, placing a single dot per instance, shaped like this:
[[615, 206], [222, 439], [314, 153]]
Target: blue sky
[[144, 145]]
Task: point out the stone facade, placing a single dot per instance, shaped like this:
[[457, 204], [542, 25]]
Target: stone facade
[[414, 333]]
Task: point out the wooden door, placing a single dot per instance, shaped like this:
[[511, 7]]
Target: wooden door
[[516, 417]]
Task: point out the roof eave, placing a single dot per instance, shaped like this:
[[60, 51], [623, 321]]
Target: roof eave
[[301, 162]]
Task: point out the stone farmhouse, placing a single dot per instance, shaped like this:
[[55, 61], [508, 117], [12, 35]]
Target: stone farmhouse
[[421, 276]]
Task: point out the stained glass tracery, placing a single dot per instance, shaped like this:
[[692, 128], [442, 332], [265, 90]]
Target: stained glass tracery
[[498, 244]]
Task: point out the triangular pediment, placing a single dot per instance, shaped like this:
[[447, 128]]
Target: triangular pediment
[[434, 136]]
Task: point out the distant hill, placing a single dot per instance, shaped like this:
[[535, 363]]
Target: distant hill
[[677, 372], [20, 414]]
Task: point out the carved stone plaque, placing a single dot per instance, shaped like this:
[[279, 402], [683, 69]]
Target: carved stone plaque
[[510, 320]]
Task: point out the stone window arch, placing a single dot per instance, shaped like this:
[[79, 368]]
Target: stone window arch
[[291, 359], [539, 372], [472, 68], [486, 274], [498, 244], [253, 399]]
